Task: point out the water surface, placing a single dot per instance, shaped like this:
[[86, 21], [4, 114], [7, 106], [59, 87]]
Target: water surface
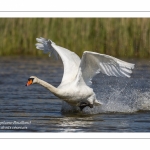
[[126, 101]]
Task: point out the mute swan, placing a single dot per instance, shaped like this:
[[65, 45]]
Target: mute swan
[[78, 73]]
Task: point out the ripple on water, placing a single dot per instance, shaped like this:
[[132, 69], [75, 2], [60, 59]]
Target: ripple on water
[[120, 97]]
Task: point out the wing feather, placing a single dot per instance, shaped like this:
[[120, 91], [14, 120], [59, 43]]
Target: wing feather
[[93, 63], [70, 60]]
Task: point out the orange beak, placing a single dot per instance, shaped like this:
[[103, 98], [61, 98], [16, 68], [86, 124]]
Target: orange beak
[[29, 82]]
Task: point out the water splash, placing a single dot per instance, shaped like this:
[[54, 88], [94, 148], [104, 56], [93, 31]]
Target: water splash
[[123, 103], [143, 101], [118, 95], [118, 102]]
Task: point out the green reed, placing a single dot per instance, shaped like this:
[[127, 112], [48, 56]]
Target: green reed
[[121, 37]]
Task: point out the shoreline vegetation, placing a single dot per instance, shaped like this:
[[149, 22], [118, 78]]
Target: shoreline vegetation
[[119, 37]]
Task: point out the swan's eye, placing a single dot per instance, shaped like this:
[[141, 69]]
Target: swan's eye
[[30, 81]]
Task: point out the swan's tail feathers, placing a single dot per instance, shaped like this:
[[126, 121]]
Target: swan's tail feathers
[[46, 46], [97, 103]]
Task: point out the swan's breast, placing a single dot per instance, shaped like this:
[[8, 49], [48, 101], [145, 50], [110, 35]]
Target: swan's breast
[[74, 95]]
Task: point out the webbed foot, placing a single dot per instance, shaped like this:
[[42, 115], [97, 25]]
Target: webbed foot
[[84, 104]]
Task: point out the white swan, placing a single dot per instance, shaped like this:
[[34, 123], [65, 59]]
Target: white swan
[[78, 73]]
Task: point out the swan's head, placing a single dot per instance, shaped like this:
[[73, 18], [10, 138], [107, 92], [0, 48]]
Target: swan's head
[[31, 80]]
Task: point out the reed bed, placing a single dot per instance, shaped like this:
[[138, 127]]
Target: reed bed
[[121, 37]]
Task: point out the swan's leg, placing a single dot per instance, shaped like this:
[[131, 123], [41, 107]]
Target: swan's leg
[[84, 104]]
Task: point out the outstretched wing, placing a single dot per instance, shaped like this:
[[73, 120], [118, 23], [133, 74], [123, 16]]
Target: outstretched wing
[[70, 60], [93, 63]]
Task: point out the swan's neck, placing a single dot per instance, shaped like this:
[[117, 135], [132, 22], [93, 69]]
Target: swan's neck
[[47, 85]]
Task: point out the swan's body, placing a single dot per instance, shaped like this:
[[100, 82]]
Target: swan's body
[[78, 73]]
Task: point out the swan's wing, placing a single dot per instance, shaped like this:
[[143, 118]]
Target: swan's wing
[[93, 63], [70, 60]]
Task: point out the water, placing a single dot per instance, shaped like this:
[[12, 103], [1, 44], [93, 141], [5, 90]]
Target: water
[[126, 101]]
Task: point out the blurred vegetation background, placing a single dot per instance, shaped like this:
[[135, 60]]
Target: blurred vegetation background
[[120, 37]]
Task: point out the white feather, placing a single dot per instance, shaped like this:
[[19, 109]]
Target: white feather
[[78, 73], [45, 45], [70, 60], [93, 63]]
